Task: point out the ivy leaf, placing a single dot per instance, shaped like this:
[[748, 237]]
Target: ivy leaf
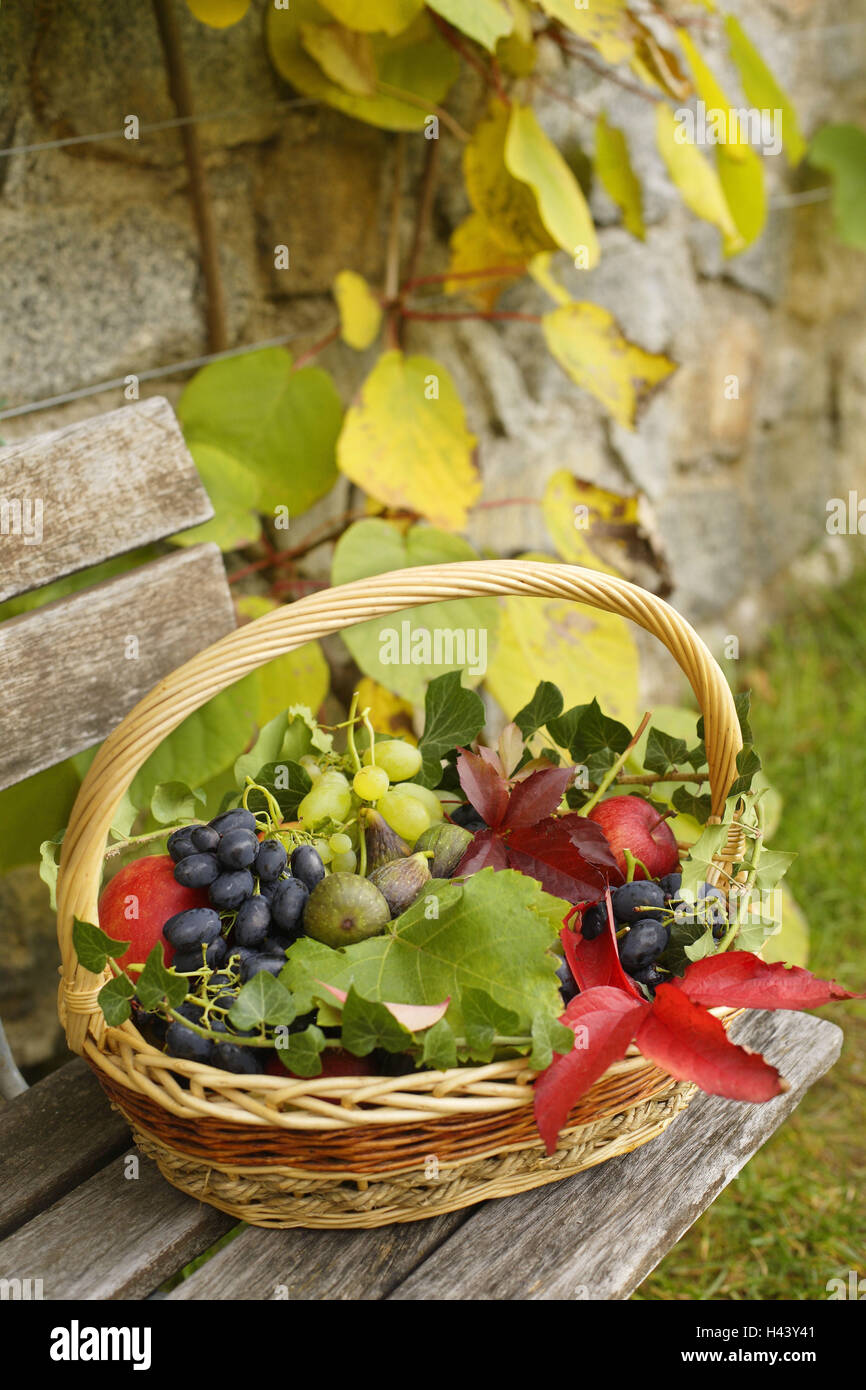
[[697, 756], [453, 716], [563, 728], [368, 1024], [93, 947], [405, 441], [614, 169], [262, 1000], [156, 983], [704, 945], [663, 752], [743, 705], [546, 704], [531, 156], [300, 1053], [548, 1036], [175, 801], [748, 763], [598, 741], [692, 804], [483, 1019], [772, 867], [360, 310], [485, 21], [287, 782], [113, 999], [691, 1045], [587, 343], [494, 932], [440, 1047]]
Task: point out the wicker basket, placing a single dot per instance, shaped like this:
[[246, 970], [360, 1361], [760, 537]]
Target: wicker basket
[[356, 1150]]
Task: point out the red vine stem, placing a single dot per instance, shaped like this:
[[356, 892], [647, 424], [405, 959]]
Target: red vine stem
[[303, 358], [491, 272], [434, 317], [491, 76]]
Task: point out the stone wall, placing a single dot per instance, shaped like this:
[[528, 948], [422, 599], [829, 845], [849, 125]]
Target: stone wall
[[100, 277]]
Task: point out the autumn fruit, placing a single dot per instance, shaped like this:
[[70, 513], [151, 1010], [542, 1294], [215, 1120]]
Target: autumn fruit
[[382, 843], [139, 900], [633, 824], [448, 844], [345, 908], [401, 881]]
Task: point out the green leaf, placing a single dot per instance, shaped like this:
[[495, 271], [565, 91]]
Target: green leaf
[[262, 1000], [32, 812], [598, 741], [301, 1052], [345, 56], [485, 21], [495, 932], [743, 704], [663, 752], [156, 983], [380, 645], [412, 60], [772, 867], [762, 89], [405, 441], [545, 705], [93, 947], [532, 157], [233, 490], [603, 23], [440, 1047], [453, 717], [614, 169], [287, 782], [587, 343], [113, 999], [840, 150], [279, 423], [748, 764], [367, 1024], [175, 801], [700, 859], [563, 728], [483, 1018], [548, 1036], [692, 804], [49, 865], [703, 946]]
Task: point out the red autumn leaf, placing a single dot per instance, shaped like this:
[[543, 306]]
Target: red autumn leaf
[[547, 851], [491, 756], [483, 785], [596, 963], [690, 1044], [603, 1022], [538, 796], [486, 851], [593, 845], [742, 980]]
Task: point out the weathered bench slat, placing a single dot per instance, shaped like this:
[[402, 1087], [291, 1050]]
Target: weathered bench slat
[[52, 1138], [70, 669], [104, 486], [307, 1265], [599, 1234], [112, 1237]]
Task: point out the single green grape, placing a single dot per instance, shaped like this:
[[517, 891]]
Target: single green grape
[[325, 801], [311, 767], [429, 800], [406, 815], [371, 783], [345, 863], [399, 759], [324, 851], [334, 777], [340, 844]]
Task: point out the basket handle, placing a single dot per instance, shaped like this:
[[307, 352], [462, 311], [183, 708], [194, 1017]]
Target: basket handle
[[290, 626]]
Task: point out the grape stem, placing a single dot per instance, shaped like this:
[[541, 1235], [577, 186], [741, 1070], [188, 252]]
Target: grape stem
[[120, 845], [350, 733]]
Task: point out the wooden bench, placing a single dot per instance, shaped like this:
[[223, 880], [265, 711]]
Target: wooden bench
[[80, 1209]]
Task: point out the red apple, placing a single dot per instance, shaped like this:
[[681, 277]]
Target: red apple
[[631, 823], [138, 901]]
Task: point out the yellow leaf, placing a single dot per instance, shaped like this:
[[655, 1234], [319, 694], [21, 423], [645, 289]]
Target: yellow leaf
[[657, 65], [233, 491], [699, 185], [485, 21], [613, 166], [370, 16], [389, 713], [603, 530], [740, 172], [582, 650], [586, 342], [516, 53], [344, 56], [406, 442], [360, 311], [475, 246], [603, 23], [531, 156], [417, 62], [540, 270], [505, 203], [219, 14], [762, 89]]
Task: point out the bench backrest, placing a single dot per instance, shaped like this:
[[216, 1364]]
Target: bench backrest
[[69, 500]]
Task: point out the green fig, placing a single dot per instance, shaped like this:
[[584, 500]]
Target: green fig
[[448, 842], [383, 843], [401, 881], [345, 908]]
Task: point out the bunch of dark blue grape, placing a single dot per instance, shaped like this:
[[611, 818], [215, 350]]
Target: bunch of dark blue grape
[[642, 913]]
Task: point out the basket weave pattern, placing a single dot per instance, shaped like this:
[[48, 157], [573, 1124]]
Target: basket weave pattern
[[243, 1142]]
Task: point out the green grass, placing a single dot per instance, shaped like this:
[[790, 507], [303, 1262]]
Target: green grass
[[795, 1217]]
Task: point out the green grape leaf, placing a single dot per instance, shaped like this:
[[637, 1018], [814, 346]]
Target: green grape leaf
[[233, 490], [483, 1019], [545, 705], [175, 801], [840, 150], [485, 21], [301, 1053], [548, 1036], [368, 1024], [279, 423], [497, 931], [663, 752], [405, 650], [113, 1000], [614, 169], [262, 1000], [156, 983], [93, 947], [440, 1047]]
